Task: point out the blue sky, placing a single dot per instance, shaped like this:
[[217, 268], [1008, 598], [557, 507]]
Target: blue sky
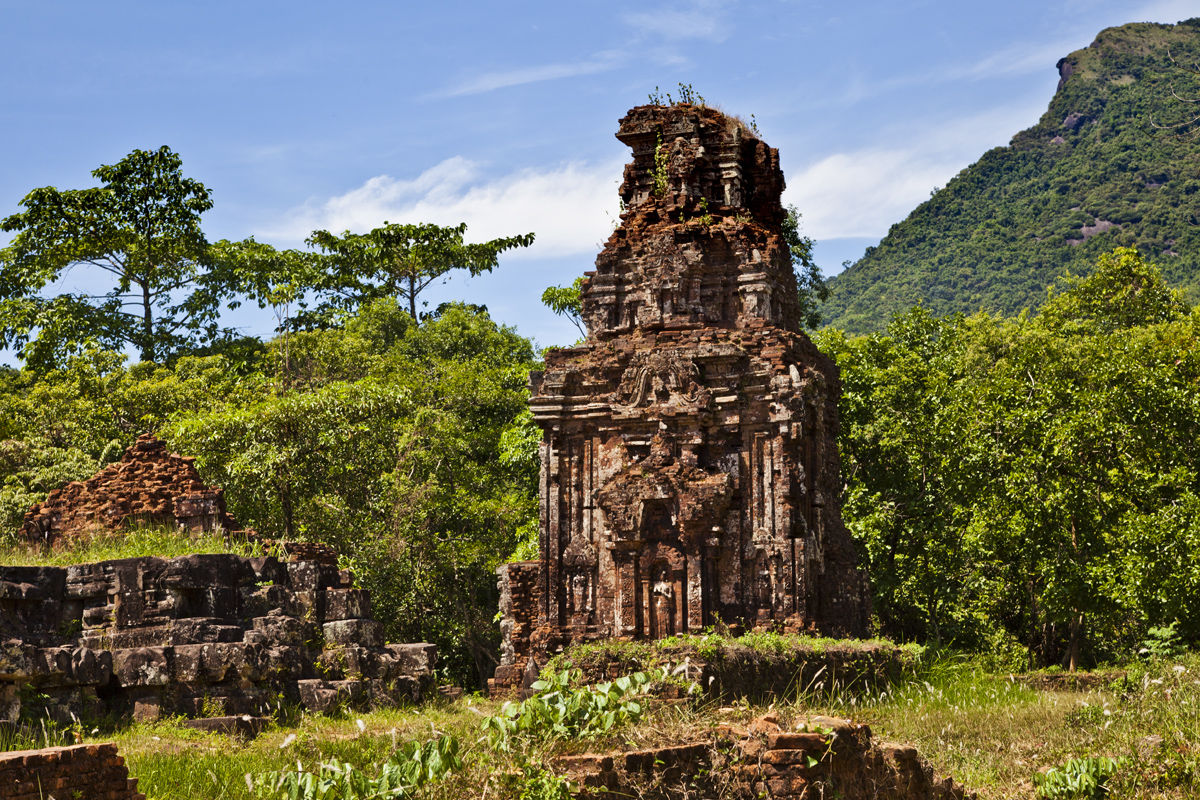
[[302, 115]]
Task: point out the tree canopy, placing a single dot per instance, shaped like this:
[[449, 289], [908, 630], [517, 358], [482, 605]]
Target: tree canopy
[[140, 232], [397, 260], [1030, 485]]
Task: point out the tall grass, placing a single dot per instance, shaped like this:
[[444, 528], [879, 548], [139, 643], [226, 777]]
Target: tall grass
[[134, 542], [993, 733]]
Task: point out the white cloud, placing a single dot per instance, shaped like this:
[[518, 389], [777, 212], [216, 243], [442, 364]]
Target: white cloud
[[861, 193], [571, 208], [698, 20], [490, 81]]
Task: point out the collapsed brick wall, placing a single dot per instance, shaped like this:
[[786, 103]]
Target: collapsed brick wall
[[828, 757], [519, 603], [149, 485], [690, 471], [199, 635], [91, 771]]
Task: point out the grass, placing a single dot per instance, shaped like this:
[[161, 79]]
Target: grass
[[993, 733], [132, 543], [989, 732]]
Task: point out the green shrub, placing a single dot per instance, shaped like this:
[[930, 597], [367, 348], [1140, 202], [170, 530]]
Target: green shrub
[[559, 712], [1078, 779]]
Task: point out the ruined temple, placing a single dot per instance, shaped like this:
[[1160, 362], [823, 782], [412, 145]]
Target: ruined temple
[[149, 486], [690, 470]]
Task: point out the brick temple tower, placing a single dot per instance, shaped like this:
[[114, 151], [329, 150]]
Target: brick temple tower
[[690, 469]]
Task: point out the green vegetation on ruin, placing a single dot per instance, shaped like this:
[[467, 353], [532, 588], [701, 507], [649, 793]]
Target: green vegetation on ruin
[[1009, 225], [714, 647], [134, 542]]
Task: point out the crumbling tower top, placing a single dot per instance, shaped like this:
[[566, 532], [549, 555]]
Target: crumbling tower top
[[700, 242]]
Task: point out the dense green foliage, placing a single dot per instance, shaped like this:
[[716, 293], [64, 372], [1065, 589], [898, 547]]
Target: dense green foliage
[[1005, 227], [406, 447], [1031, 484]]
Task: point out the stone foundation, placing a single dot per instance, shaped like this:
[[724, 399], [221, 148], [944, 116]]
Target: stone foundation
[[731, 671], [827, 757], [91, 771], [200, 635]]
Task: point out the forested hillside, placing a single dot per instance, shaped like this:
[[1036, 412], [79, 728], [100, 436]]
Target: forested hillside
[[1113, 162]]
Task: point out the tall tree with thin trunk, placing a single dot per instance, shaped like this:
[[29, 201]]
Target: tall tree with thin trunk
[[141, 228], [402, 261]]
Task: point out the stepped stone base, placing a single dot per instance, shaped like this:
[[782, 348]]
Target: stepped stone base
[[200, 635]]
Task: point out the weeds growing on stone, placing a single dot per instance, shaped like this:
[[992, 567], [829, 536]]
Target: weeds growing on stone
[[134, 542]]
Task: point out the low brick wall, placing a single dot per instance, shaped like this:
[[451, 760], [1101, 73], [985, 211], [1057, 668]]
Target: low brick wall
[[91, 771], [728, 669], [824, 757]]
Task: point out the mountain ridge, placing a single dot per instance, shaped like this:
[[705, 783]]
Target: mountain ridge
[[1100, 169]]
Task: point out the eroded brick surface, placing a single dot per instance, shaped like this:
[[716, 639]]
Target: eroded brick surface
[[149, 485], [92, 771], [689, 459], [200, 635], [820, 757]]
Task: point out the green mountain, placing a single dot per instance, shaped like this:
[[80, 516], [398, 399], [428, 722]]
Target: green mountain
[[1103, 167]]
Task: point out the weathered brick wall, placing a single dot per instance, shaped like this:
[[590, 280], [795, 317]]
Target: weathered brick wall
[[149, 485], [200, 635], [520, 599], [824, 757], [91, 771]]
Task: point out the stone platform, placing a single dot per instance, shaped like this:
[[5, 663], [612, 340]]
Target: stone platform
[[199, 635]]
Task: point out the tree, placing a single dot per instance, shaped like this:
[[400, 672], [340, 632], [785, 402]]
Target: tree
[[566, 301], [142, 228], [809, 280], [1030, 484], [406, 447], [1123, 292], [397, 260]]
